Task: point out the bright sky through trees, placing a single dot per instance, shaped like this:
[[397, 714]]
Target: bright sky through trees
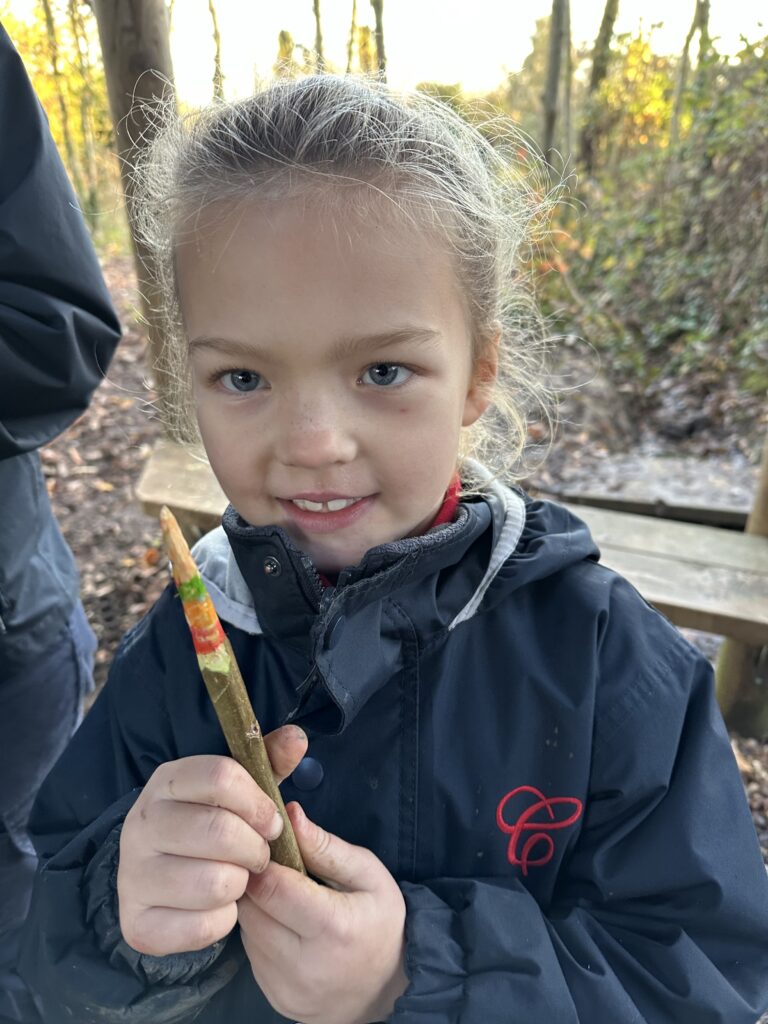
[[471, 43]]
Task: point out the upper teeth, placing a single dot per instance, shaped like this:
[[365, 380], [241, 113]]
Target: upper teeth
[[324, 506]]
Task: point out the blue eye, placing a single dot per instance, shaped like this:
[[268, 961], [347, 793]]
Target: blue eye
[[384, 374], [241, 380]]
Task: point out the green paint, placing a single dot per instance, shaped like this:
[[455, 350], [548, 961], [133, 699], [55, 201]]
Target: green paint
[[217, 661], [192, 590]]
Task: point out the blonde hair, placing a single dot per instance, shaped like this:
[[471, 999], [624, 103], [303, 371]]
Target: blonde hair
[[485, 193]]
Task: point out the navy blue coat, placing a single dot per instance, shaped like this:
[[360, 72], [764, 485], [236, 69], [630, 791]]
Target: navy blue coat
[[532, 751], [58, 332]]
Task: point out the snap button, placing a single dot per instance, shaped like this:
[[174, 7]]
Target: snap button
[[271, 566], [334, 633], [308, 774]]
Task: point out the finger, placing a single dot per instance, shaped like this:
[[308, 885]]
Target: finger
[[275, 955], [204, 832], [187, 883], [286, 746], [159, 931], [218, 782], [265, 939], [340, 864], [292, 900]]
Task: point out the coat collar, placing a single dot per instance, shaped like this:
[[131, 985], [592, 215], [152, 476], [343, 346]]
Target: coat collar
[[353, 633]]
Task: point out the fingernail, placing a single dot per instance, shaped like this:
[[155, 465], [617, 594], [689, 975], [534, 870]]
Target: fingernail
[[275, 827]]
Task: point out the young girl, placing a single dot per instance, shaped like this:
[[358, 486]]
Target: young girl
[[510, 773]]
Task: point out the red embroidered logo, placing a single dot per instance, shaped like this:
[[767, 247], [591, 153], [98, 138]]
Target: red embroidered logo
[[540, 829]]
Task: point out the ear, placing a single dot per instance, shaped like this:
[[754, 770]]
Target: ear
[[484, 375]]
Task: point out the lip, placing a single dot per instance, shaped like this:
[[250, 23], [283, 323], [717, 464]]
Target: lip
[[325, 522], [318, 496]]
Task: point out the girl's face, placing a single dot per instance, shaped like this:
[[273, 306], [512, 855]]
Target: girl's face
[[332, 370]]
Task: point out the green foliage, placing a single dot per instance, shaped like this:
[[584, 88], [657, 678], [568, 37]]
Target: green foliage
[[91, 163], [664, 256]]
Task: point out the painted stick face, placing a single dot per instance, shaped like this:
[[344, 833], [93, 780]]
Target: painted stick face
[[203, 622], [207, 635]]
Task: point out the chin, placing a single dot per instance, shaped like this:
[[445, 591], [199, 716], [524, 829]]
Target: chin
[[332, 564]]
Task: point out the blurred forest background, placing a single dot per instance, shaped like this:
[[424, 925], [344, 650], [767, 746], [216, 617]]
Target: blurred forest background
[[659, 259]]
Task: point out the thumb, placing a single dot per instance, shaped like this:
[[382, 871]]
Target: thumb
[[338, 863], [286, 746]]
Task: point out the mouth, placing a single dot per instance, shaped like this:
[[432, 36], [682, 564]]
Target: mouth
[[333, 505], [325, 513]]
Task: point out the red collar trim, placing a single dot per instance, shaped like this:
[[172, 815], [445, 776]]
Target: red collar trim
[[450, 502], [445, 514]]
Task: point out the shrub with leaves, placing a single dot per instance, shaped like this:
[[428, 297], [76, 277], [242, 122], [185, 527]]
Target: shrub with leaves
[[665, 252]]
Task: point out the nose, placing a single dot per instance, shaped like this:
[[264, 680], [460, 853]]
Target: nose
[[314, 431]]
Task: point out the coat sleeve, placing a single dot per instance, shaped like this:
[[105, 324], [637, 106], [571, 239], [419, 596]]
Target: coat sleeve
[[58, 329], [661, 913], [73, 954]]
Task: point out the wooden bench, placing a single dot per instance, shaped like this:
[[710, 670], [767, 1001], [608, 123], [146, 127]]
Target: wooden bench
[[175, 477], [700, 577]]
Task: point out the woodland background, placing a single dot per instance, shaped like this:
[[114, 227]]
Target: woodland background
[[652, 273]]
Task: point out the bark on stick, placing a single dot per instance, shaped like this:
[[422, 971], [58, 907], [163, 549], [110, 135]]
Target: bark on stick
[[225, 684]]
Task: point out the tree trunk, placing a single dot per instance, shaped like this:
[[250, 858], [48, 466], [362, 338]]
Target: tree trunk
[[73, 163], [549, 97], [700, 23], [742, 671], [567, 83], [218, 77], [601, 55], [704, 39], [137, 63], [352, 34], [89, 199], [381, 57], [319, 59]]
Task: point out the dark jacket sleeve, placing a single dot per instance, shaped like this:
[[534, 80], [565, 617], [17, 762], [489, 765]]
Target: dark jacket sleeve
[[73, 954], [58, 329], [660, 915]]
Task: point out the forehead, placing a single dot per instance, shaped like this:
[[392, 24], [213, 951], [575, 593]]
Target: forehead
[[270, 267]]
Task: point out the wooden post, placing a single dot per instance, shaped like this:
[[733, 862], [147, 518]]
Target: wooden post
[[742, 671], [136, 50]]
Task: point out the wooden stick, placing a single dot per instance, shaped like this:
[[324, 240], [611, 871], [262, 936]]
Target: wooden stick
[[225, 684]]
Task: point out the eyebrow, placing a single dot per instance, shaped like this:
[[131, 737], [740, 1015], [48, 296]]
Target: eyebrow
[[342, 349]]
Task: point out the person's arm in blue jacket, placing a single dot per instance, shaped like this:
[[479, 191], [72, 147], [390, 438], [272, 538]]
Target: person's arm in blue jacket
[[58, 329]]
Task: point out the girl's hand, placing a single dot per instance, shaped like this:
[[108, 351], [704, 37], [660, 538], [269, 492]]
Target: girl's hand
[[326, 955], [190, 843]]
